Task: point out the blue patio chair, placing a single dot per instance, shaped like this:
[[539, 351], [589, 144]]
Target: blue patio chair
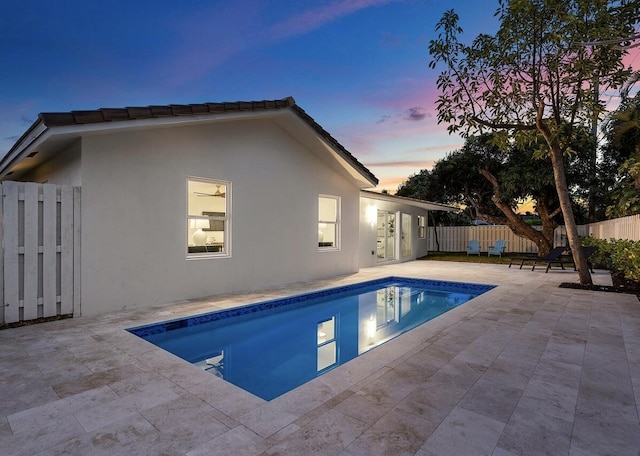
[[474, 247], [497, 249]]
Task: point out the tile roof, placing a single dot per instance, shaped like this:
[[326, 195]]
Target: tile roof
[[60, 119], [55, 119]]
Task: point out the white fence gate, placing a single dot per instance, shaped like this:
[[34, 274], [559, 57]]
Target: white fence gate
[[40, 237]]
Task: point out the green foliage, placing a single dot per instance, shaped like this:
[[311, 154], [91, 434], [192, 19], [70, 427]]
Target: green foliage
[[457, 179], [624, 144], [602, 256], [617, 255], [626, 200], [537, 69], [626, 258], [539, 72]]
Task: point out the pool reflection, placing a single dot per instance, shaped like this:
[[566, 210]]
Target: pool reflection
[[275, 353]]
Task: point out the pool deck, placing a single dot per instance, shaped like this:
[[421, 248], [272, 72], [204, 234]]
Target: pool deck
[[526, 368]]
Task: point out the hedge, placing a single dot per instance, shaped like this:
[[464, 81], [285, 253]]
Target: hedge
[[617, 255]]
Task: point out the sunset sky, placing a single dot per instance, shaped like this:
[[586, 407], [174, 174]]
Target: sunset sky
[[358, 67]]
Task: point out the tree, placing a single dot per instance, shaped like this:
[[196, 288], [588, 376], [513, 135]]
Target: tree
[[490, 183], [624, 144], [537, 75]]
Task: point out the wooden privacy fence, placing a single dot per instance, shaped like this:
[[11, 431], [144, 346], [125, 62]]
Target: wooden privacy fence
[[40, 235], [456, 238], [620, 228]]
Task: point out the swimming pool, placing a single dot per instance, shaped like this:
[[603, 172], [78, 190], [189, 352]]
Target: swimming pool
[[272, 347]]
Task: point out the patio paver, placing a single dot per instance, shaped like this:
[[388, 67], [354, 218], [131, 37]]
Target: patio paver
[[527, 368]]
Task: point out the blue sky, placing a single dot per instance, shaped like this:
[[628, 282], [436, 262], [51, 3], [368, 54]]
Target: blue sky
[[358, 67]]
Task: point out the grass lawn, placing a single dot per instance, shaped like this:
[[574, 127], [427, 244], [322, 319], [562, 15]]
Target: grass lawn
[[462, 256]]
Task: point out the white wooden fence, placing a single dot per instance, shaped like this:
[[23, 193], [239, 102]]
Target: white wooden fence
[[621, 228], [456, 238], [40, 238]]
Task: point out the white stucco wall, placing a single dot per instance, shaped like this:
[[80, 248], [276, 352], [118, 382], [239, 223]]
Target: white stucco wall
[[134, 213], [63, 169], [368, 226]]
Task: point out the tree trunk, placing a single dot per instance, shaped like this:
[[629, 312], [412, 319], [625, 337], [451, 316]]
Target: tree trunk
[[560, 179], [514, 222], [543, 207], [562, 188], [435, 230]]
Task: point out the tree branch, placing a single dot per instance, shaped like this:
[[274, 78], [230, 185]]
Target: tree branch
[[504, 126]]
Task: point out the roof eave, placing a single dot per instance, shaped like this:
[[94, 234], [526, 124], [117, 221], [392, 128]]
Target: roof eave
[[22, 147], [428, 205], [370, 180], [77, 123]]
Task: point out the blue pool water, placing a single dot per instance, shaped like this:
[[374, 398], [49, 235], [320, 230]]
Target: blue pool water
[[272, 347]]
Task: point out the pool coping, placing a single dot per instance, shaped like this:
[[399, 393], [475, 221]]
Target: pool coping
[[293, 300], [524, 364]]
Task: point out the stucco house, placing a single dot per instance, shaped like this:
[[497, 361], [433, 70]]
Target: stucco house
[[186, 201]]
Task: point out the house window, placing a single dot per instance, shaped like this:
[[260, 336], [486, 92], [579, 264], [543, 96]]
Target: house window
[[328, 222], [208, 218], [422, 226]]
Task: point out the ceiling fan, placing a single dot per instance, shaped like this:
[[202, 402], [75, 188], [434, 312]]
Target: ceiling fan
[[217, 193]]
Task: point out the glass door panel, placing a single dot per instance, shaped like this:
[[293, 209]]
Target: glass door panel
[[391, 236], [405, 239], [386, 236]]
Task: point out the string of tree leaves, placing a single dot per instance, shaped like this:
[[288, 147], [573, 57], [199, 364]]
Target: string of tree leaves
[[528, 101]]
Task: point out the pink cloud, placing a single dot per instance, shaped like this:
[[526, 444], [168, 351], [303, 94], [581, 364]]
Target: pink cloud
[[391, 180], [416, 137], [243, 29], [317, 17], [418, 164]]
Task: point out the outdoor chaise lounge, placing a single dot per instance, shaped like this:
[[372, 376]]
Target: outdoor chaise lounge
[[555, 257], [497, 249], [474, 247], [568, 259], [554, 254]]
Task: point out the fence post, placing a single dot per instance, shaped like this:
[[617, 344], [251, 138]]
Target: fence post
[[11, 301], [66, 250], [30, 256], [77, 276], [49, 250], [2, 252]]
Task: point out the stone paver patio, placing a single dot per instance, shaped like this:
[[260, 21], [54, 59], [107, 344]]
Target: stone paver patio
[[527, 368]]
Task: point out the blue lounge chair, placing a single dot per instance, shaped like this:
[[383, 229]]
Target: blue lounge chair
[[497, 249], [474, 247]]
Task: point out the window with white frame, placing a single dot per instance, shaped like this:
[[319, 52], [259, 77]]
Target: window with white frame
[[208, 217], [328, 222], [422, 226]]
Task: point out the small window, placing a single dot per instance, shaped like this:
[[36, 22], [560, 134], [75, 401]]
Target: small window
[[208, 217], [328, 222], [422, 226]]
